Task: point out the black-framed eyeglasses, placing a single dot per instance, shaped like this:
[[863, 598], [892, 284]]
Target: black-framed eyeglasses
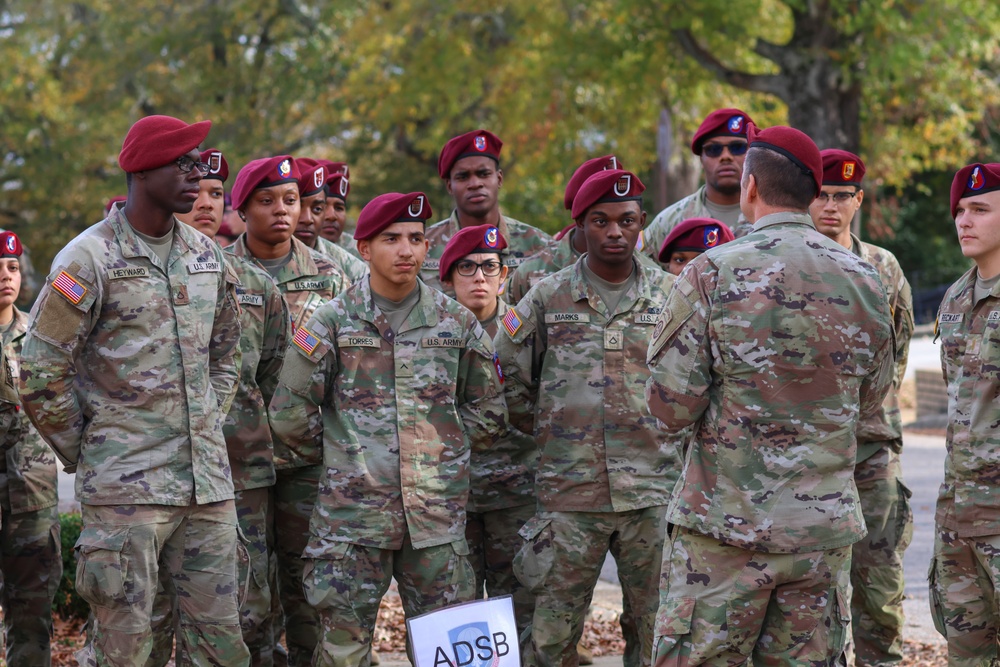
[[838, 197], [491, 268], [186, 164], [715, 150]]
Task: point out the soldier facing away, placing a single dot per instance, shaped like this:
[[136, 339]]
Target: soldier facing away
[[127, 370], [772, 348], [394, 383], [965, 572], [877, 560]]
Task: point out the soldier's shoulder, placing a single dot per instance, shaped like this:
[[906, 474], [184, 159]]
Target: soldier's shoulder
[[93, 246], [327, 266], [250, 275], [680, 206]]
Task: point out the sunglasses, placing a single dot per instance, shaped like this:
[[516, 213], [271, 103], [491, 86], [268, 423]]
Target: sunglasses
[[186, 165], [715, 150]]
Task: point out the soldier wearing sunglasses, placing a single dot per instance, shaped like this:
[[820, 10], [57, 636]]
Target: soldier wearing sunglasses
[[721, 143]]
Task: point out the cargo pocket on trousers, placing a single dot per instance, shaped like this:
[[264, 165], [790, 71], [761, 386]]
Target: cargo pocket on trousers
[[326, 582], [103, 578], [243, 568], [463, 575], [673, 623], [840, 623], [904, 518], [534, 559], [934, 599]]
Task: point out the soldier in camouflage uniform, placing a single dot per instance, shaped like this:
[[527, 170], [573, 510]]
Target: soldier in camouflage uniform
[[263, 324], [266, 194], [772, 348], [334, 225], [877, 560], [965, 571], [574, 351], [502, 495], [720, 143], [394, 383], [313, 190], [127, 370], [689, 239], [469, 164], [30, 554]]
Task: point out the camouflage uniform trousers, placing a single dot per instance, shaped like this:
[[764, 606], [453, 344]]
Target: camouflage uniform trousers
[[561, 561], [255, 521], [348, 587], [119, 555], [294, 496], [720, 605], [493, 542], [964, 579], [877, 560], [31, 563]]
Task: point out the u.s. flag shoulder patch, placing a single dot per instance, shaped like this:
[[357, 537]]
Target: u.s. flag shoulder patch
[[512, 322], [69, 287], [305, 340]]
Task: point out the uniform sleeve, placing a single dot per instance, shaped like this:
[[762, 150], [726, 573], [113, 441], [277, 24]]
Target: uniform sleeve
[[520, 349], [295, 411], [679, 357], [877, 384], [517, 286], [902, 316], [480, 392], [276, 328], [58, 328], [10, 421], [224, 354]]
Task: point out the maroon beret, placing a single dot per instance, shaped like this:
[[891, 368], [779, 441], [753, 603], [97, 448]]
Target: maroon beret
[[564, 231], [111, 203], [841, 167], [585, 171], [218, 168], [610, 185], [794, 145], [477, 142], [263, 173], [391, 208], [469, 240], [338, 185], [697, 234], [720, 123], [334, 167], [974, 179], [10, 245], [154, 141], [312, 176]]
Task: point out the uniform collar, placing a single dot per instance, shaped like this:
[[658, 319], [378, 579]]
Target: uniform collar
[[133, 246], [424, 313], [784, 218], [581, 289]]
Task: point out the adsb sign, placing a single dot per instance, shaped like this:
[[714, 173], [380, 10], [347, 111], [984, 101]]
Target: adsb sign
[[473, 634]]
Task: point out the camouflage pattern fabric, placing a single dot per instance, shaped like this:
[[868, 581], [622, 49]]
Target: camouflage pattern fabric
[[574, 378], [721, 604], [347, 585], [353, 267], [877, 561], [557, 256], [523, 241], [494, 541], [772, 347], [119, 554], [692, 206], [30, 548], [561, 561], [395, 413], [127, 365], [349, 243]]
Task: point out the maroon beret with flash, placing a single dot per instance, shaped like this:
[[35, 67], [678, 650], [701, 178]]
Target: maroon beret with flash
[[794, 145], [155, 141], [841, 167], [218, 168], [10, 245], [695, 234], [972, 180], [389, 209], [477, 142], [585, 171], [312, 176], [338, 185], [612, 185], [720, 123], [263, 173], [469, 240]]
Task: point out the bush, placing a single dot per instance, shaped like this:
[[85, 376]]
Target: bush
[[68, 604]]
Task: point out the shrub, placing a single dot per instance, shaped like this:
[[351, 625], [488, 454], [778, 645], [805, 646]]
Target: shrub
[[68, 604]]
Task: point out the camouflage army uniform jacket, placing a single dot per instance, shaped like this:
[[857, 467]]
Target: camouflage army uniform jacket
[[394, 415], [354, 268], [574, 379], [523, 241], [969, 499], [503, 476], [128, 365], [264, 322], [887, 424], [692, 206], [772, 347], [29, 480]]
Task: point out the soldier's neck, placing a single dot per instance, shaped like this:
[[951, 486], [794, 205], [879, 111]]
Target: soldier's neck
[[262, 250], [721, 198], [490, 218], [146, 218]]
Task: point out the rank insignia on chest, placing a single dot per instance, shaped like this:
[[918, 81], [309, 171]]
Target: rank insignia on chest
[[305, 340], [68, 286], [512, 322]]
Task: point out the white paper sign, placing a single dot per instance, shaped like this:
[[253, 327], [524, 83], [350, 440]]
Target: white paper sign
[[473, 634]]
